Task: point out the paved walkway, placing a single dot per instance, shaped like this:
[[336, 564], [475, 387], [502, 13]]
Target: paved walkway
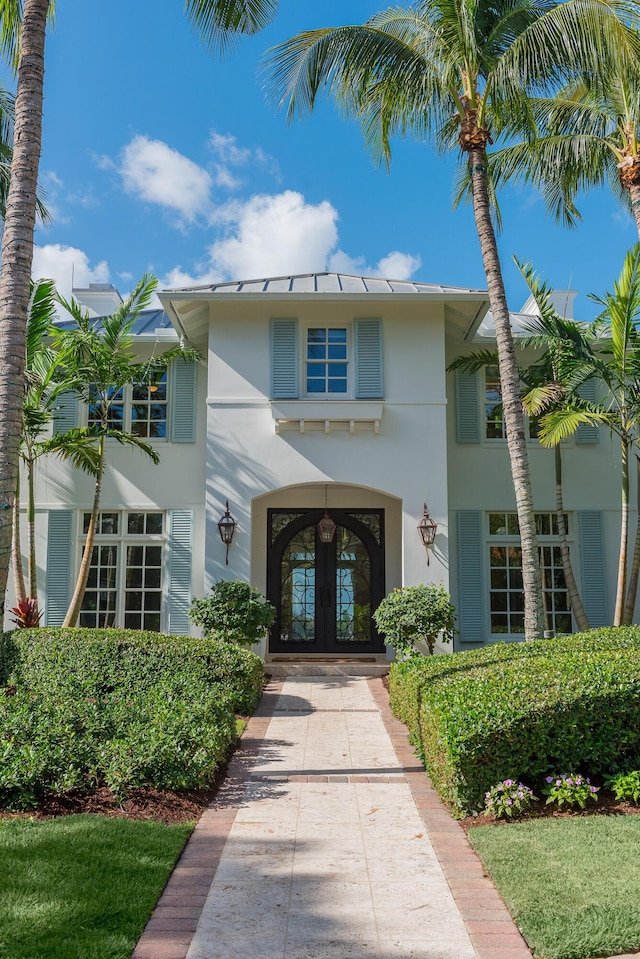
[[327, 842]]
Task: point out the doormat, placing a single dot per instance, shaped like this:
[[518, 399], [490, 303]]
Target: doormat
[[328, 659]]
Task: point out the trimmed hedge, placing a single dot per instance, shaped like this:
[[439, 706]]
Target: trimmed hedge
[[522, 711], [82, 708]]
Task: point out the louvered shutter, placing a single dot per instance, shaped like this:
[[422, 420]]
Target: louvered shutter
[[58, 566], [467, 408], [65, 416], [179, 591], [471, 579], [183, 401], [594, 593], [284, 359], [368, 371], [585, 432]]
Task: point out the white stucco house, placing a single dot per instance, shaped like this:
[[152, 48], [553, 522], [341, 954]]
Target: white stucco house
[[318, 394]]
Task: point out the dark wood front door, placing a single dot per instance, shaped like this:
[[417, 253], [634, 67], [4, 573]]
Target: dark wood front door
[[325, 593]]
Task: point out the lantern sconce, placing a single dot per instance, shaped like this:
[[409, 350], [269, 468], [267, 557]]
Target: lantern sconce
[[227, 527], [427, 528], [326, 526]]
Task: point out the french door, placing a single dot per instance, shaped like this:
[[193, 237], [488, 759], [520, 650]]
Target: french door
[[325, 593]]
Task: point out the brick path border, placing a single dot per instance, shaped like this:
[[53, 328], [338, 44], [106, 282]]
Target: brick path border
[[170, 929], [492, 930]]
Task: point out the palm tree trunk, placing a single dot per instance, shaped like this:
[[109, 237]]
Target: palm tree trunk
[[17, 256], [632, 588], [83, 574], [634, 196], [511, 399], [31, 531], [16, 549], [624, 537], [573, 592]]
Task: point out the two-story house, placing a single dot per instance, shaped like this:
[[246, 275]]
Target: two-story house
[[322, 413]]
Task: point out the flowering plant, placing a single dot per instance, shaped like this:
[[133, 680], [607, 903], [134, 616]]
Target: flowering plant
[[570, 789], [508, 798]]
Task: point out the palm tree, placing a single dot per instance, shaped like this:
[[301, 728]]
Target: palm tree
[[609, 352], [22, 42], [43, 389], [589, 134], [454, 73], [99, 360]]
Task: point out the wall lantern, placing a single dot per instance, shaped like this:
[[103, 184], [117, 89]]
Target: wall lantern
[[427, 528], [227, 526], [326, 526]]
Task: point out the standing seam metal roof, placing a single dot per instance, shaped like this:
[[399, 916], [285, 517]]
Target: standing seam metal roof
[[323, 283]]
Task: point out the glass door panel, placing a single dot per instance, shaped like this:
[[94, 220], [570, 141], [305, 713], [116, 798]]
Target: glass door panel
[[352, 588], [298, 589]]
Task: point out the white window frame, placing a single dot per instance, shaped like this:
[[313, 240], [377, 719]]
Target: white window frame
[[122, 539], [128, 402], [349, 393], [492, 440], [512, 539]]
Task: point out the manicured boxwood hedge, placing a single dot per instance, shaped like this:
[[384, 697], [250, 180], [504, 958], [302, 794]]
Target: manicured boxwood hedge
[[80, 708], [523, 710]]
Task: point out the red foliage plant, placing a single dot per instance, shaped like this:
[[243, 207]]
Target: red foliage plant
[[26, 614]]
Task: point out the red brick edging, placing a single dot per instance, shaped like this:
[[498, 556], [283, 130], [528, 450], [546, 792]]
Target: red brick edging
[[492, 930], [170, 929]]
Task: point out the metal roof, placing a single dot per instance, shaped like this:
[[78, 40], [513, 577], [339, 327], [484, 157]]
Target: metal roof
[[323, 283], [148, 322]]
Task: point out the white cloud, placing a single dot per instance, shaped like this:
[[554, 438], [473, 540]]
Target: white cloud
[[271, 235], [68, 266], [177, 278], [393, 266], [229, 155], [226, 148], [155, 172]]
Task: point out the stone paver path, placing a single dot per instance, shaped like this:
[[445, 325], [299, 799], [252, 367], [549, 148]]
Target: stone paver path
[[327, 842]]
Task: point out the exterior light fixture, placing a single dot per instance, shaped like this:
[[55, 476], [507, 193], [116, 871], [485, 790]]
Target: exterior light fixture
[[227, 526], [427, 528], [326, 526]]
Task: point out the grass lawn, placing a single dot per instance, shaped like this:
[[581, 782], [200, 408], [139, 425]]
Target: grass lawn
[[572, 885], [81, 887]]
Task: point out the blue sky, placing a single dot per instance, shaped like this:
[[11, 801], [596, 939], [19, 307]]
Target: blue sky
[[160, 157]]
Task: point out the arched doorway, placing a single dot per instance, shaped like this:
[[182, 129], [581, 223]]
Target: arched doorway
[[325, 593]]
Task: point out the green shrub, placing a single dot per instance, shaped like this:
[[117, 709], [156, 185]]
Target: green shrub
[[522, 711], [83, 708], [625, 786], [233, 612], [413, 614]]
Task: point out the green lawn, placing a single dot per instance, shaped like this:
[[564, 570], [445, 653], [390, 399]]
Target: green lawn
[[81, 887], [572, 885]]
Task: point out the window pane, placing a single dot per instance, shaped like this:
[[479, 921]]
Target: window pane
[[337, 351], [337, 335], [315, 386], [154, 523], [317, 352], [133, 600], [316, 335], [133, 621], [154, 556], [152, 622], [513, 527], [152, 601], [134, 555], [337, 386], [152, 579], [134, 578], [135, 523], [497, 524], [108, 524]]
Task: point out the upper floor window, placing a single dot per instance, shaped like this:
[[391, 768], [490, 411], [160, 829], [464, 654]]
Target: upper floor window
[[327, 362], [495, 426], [137, 408]]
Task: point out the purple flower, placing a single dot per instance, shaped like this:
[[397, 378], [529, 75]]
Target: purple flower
[[508, 782], [549, 779], [558, 782], [594, 789], [570, 782], [509, 803]]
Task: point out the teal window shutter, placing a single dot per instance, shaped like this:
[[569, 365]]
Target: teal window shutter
[[587, 433], [284, 359], [183, 401], [65, 416], [368, 368], [471, 588], [594, 594], [58, 566], [179, 591], [467, 408]]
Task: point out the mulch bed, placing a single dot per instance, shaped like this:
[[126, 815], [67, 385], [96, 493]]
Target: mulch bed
[[161, 805]]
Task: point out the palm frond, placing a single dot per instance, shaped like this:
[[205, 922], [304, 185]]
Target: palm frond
[[221, 22]]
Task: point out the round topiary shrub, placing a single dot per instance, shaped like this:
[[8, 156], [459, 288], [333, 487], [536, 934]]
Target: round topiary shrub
[[234, 612], [413, 614]]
